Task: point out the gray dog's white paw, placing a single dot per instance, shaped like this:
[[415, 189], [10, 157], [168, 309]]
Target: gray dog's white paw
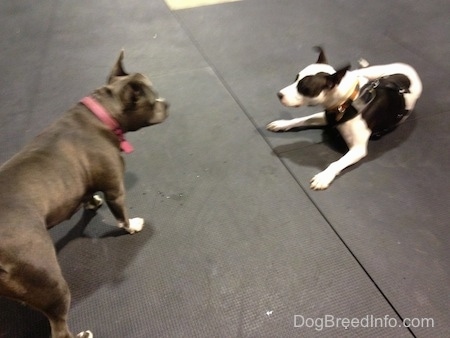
[[85, 334], [134, 225]]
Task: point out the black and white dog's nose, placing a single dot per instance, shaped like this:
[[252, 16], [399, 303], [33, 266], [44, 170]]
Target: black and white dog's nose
[[280, 95]]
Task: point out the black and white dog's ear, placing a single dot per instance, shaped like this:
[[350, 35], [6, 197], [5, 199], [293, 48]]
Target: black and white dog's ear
[[322, 58], [117, 69], [334, 79]]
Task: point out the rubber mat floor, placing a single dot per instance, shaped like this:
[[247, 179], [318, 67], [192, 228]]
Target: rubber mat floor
[[235, 243]]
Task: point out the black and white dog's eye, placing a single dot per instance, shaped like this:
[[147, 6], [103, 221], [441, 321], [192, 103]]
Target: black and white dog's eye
[[312, 85]]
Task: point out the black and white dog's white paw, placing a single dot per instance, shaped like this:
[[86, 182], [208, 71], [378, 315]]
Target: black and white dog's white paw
[[322, 180], [280, 125]]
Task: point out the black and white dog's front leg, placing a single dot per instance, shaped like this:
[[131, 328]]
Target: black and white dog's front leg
[[115, 199], [356, 134], [314, 120]]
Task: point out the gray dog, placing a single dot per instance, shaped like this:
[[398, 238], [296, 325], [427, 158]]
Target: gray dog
[[56, 174]]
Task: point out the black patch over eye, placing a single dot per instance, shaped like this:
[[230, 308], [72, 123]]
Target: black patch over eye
[[312, 85]]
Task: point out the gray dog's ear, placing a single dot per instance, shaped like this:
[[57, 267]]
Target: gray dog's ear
[[322, 58], [117, 69]]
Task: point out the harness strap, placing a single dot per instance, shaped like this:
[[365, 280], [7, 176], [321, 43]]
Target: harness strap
[[355, 104]]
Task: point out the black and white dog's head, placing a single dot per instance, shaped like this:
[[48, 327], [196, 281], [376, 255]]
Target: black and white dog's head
[[314, 85]]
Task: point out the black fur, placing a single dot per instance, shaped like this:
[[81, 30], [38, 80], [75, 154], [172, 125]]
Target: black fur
[[387, 104], [312, 85]]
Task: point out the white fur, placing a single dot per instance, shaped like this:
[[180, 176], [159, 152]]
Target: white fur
[[134, 225], [356, 134], [85, 334], [292, 98], [375, 72], [355, 131], [317, 119]]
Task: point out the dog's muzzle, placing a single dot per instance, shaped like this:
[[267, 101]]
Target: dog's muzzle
[[160, 111]]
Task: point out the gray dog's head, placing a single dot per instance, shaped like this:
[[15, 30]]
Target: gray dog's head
[[139, 103]]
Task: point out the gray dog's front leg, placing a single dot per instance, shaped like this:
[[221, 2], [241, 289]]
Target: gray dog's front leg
[[116, 203]]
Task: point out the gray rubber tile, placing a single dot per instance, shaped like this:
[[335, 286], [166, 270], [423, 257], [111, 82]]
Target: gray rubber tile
[[421, 27], [23, 41]]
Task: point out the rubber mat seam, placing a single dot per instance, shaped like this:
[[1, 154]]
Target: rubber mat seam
[[322, 214]]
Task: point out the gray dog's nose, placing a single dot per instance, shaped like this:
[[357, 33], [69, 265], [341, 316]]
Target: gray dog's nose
[[280, 95], [164, 102]]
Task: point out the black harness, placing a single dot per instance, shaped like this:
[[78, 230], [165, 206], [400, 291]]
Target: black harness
[[397, 84]]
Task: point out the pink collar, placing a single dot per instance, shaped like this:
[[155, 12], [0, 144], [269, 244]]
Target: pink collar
[[98, 110]]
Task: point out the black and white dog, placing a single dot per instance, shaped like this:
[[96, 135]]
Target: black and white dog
[[364, 103]]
